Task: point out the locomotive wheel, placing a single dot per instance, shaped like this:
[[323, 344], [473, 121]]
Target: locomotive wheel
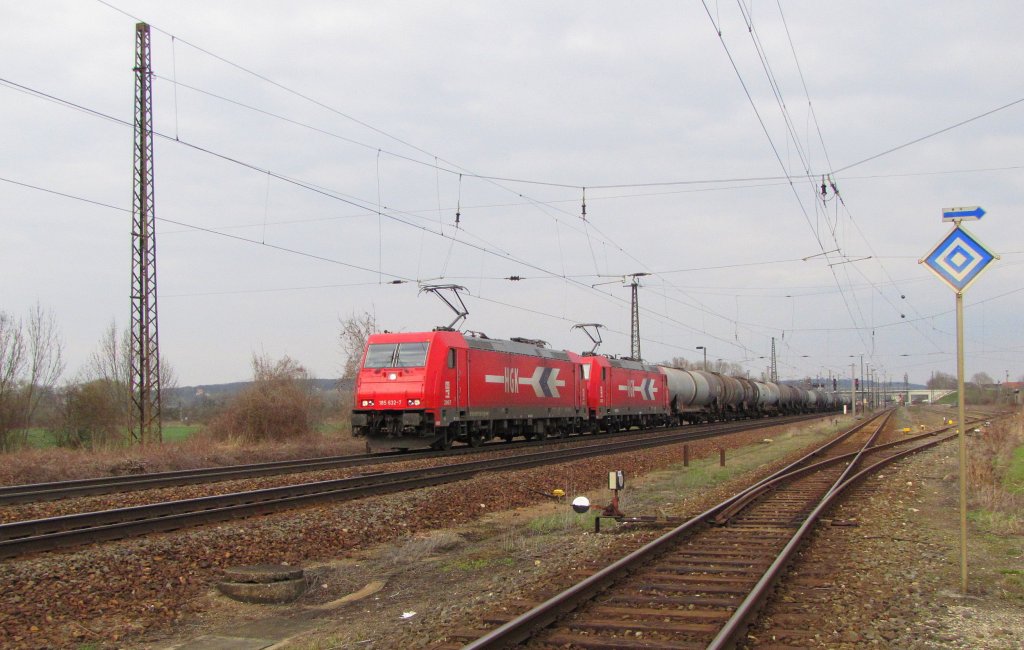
[[444, 443], [475, 440]]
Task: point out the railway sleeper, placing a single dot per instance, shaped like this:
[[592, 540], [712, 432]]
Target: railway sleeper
[[563, 639]]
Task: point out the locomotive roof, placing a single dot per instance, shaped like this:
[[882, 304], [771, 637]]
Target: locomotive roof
[[629, 364], [515, 347]]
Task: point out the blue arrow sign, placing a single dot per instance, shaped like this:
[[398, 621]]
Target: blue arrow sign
[[972, 213]]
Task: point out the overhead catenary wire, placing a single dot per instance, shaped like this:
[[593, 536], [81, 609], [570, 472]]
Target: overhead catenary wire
[[363, 123], [400, 279], [450, 240]]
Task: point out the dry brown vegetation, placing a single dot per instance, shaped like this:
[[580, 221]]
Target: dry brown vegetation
[[989, 456], [281, 404], [56, 464]]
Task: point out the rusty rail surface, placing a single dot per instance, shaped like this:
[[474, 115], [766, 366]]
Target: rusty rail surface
[[53, 491], [701, 584], [23, 537]]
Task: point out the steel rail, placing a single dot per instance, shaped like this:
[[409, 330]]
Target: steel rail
[[18, 538], [52, 491], [799, 468], [746, 611], [543, 615]]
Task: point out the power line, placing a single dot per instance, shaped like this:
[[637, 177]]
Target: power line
[[931, 135]]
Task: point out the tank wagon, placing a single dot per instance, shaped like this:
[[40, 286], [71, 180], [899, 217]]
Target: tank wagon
[[430, 389]]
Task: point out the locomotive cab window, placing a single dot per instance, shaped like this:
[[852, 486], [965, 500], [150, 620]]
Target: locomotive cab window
[[379, 355], [411, 355], [451, 357], [396, 355], [585, 369]]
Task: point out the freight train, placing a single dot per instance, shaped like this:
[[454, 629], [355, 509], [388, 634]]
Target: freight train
[[423, 390]]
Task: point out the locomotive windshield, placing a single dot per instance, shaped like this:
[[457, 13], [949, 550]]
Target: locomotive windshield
[[396, 355]]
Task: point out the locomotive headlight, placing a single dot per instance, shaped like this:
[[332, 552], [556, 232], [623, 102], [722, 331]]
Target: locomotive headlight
[[413, 402], [392, 376], [366, 402]]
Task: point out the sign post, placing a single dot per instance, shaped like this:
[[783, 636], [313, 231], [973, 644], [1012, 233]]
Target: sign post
[[958, 260]]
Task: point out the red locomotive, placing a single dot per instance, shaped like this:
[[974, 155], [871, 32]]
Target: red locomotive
[[429, 389], [622, 393]]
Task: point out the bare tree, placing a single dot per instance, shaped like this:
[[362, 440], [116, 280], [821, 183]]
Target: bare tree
[[45, 358], [942, 380], [30, 364], [679, 362], [107, 374], [718, 365], [354, 332], [12, 365], [982, 379]]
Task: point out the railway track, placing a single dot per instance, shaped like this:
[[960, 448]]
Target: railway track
[[24, 537], [701, 584], [39, 492]]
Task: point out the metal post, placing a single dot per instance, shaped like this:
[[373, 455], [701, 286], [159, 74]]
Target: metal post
[[853, 388], [961, 424], [860, 393], [721, 456], [686, 455], [144, 352], [635, 321]]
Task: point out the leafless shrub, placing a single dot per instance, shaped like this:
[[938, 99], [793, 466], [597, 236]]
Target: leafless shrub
[[30, 364], [281, 404], [95, 409], [989, 457], [352, 336], [93, 415]]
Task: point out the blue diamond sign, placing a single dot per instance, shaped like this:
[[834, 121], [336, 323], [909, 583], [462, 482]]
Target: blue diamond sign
[[958, 259]]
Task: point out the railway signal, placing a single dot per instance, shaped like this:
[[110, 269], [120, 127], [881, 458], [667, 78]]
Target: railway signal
[[958, 260]]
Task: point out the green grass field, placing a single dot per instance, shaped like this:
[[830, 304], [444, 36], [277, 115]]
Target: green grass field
[[1014, 479], [39, 438], [177, 432]]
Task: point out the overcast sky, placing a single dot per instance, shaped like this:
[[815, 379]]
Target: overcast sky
[[311, 153]]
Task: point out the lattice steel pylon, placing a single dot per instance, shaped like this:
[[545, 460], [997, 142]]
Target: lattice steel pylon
[[144, 361], [634, 327], [775, 368]]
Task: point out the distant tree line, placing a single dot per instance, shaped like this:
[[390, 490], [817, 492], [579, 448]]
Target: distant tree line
[[92, 409]]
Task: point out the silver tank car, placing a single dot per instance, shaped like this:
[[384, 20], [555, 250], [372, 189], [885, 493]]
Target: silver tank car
[[732, 392], [714, 386], [768, 395], [693, 394], [749, 393], [788, 397]]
